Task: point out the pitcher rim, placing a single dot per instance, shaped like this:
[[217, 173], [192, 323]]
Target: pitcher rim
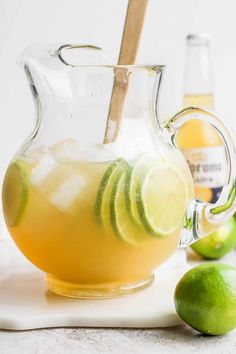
[[125, 66], [56, 51]]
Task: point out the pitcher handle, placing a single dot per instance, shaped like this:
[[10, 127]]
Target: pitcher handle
[[202, 217]]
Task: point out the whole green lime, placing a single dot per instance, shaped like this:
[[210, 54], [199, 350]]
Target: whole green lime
[[205, 298], [219, 243]]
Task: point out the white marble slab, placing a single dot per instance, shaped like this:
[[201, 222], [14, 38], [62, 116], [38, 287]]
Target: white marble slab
[[25, 303]]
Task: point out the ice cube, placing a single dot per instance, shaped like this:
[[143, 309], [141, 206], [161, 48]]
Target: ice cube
[[67, 192], [98, 153], [37, 154], [44, 167], [69, 150], [66, 150]]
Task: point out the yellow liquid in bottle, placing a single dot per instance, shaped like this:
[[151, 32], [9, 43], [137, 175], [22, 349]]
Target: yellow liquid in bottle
[[197, 134]]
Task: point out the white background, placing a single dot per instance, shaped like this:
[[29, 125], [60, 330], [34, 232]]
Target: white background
[[100, 22]]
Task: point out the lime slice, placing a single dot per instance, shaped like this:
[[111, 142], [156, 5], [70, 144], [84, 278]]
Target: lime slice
[[102, 204], [15, 193], [142, 165], [122, 223], [162, 197]]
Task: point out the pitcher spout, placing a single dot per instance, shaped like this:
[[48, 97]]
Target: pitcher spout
[[92, 103]]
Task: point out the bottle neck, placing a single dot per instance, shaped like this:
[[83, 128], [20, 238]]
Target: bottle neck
[[198, 74]]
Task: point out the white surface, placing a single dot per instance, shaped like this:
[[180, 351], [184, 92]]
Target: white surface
[[173, 340], [180, 339], [25, 302], [23, 22]]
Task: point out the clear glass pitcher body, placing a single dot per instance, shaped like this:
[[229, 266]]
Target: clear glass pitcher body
[[98, 194]]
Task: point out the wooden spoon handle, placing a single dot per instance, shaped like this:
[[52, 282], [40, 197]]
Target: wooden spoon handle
[[129, 47], [132, 31]]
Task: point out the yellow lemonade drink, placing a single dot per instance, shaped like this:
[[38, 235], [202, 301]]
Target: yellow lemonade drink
[[199, 141], [100, 226]]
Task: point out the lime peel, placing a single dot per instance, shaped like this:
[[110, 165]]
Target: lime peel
[[122, 223], [156, 214], [15, 192]]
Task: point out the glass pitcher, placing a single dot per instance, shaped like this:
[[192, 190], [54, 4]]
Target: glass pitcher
[[97, 196]]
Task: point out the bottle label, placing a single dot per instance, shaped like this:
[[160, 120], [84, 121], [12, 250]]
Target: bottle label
[[208, 168]]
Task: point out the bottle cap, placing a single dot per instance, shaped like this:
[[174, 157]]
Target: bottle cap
[[198, 39]]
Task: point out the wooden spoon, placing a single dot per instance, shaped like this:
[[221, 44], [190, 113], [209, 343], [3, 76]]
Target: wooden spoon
[[128, 50]]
